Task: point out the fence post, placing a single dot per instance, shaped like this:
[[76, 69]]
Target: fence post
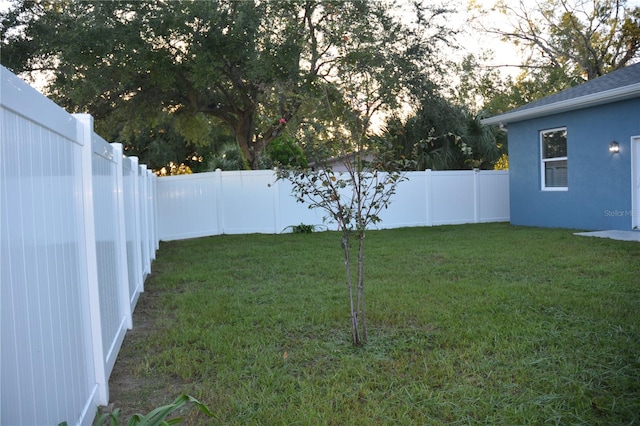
[[139, 284], [277, 222], [85, 131], [144, 220], [428, 181], [151, 208], [476, 197], [121, 250], [219, 198]]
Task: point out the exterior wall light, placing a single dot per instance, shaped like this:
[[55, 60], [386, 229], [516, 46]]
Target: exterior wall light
[[614, 147]]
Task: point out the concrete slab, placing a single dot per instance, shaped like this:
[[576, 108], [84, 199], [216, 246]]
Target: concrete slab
[[615, 235]]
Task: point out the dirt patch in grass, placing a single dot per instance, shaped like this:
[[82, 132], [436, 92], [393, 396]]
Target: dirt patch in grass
[[133, 387]]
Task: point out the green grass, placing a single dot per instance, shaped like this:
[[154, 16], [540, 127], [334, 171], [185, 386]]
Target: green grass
[[472, 324]]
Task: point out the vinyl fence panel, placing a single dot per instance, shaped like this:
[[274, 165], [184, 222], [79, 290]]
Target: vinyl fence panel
[[66, 293], [187, 206], [493, 196], [248, 202], [150, 220], [409, 204], [115, 312], [47, 373], [132, 228], [236, 202], [143, 196]]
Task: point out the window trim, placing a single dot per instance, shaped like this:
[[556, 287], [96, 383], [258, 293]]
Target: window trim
[[544, 161]]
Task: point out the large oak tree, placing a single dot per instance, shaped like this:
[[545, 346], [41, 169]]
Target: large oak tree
[[183, 67]]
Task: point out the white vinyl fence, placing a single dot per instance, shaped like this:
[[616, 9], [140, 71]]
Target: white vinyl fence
[[77, 237], [241, 202]]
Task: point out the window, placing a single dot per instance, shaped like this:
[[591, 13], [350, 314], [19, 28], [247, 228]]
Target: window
[[553, 146]]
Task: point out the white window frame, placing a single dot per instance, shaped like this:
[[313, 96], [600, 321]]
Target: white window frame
[[544, 161]]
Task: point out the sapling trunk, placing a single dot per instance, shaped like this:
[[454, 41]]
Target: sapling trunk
[[361, 307], [355, 328]]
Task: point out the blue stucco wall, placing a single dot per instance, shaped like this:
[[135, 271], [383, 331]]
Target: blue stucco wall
[[599, 194]]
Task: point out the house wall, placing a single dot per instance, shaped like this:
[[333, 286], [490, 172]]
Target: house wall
[[599, 183]]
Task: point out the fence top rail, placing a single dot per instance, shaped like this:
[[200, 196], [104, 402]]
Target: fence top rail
[[24, 100], [102, 148], [465, 172], [408, 174]]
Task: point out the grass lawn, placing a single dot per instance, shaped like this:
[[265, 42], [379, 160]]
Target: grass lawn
[[470, 324]]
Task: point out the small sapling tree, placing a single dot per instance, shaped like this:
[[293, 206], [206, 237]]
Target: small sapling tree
[[353, 198], [370, 74]]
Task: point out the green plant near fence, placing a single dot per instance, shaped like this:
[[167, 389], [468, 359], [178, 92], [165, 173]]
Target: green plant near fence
[[301, 229], [156, 417]]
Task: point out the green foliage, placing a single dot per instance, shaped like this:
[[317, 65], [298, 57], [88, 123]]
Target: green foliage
[[477, 84], [285, 152], [195, 128], [301, 229], [529, 86], [483, 91], [195, 66], [157, 142], [227, 157], [444, 136], [156, 417]]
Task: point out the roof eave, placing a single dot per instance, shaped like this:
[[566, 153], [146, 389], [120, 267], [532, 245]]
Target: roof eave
[[613, 95]]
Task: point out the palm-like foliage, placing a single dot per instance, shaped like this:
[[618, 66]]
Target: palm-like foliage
[[443, 136]]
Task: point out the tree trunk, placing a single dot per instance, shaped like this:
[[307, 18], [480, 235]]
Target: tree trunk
[[251, 145], [360, 305], [244, 135], [355, 328]]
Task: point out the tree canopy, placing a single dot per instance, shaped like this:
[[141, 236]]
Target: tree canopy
[[180, 69], [562, 43], [583, 38]]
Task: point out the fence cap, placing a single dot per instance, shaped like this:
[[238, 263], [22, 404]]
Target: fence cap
[[24, 100]]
